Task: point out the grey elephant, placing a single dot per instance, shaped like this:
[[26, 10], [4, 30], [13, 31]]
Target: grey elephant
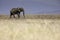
[[17, 11]]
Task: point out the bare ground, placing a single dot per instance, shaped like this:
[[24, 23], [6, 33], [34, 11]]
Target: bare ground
[[30, 28]]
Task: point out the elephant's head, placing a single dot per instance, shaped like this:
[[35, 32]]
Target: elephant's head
[[20, 9]]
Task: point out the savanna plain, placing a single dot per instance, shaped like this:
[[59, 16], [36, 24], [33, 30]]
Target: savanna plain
[[32, 27]]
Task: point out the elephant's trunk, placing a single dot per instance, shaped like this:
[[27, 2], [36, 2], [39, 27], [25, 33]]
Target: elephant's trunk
[[23, 13]]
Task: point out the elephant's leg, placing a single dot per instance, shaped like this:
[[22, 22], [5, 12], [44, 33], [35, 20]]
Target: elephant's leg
[[18, 15], [10, 15], [14, 15]]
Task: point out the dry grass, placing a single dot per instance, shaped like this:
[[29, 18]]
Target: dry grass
[[30, 28]]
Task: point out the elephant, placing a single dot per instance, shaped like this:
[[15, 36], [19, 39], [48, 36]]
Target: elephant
[[17, 11]]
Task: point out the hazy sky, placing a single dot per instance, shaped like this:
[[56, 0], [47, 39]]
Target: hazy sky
[[31, 6]]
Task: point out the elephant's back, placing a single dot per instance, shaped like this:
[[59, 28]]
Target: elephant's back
[[13, 10]]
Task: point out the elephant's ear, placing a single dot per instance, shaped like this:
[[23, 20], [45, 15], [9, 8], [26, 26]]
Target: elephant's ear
[[19, 10]]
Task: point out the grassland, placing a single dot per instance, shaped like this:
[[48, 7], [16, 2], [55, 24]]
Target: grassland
[[32, 27]]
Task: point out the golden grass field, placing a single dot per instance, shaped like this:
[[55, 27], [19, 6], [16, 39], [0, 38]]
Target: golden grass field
[[30, 28]]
